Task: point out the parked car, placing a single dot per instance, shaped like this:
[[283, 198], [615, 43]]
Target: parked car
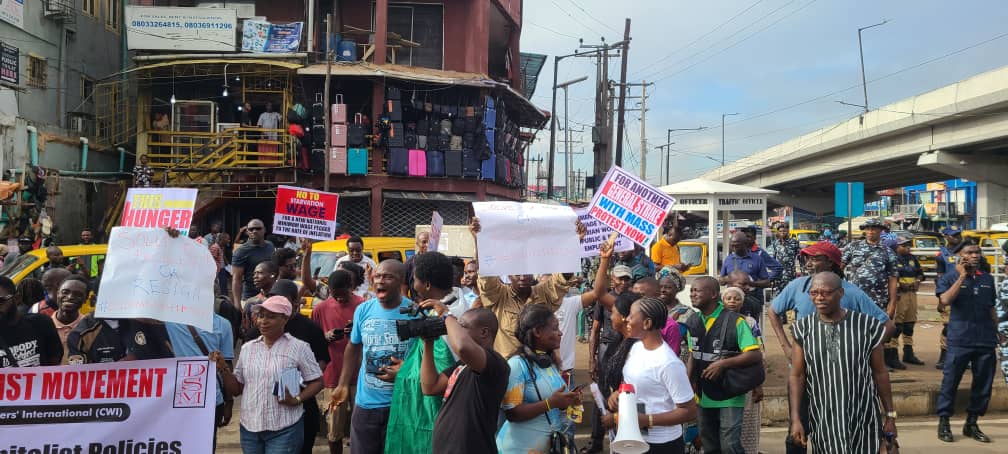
[[378, 248], [30, 264], [806, 237]]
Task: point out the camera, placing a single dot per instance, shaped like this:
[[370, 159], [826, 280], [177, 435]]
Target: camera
[[427, 326]]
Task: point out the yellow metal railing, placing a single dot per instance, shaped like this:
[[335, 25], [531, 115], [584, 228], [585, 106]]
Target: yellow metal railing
[[233, 149]]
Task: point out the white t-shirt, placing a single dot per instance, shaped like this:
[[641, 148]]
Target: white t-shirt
[[364, 263], [659, 379], [567, 315]]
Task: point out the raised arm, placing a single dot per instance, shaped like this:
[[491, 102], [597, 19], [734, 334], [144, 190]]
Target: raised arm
[[306, 276]]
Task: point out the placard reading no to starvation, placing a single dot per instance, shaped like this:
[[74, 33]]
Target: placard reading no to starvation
[[305, 213]]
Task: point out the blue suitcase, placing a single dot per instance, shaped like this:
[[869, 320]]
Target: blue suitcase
[[490, 118], [435, 163], [398, 161], [470, 163], [357, 161], [489, 168]]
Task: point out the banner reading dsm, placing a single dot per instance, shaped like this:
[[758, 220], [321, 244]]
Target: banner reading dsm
[[139, 407]]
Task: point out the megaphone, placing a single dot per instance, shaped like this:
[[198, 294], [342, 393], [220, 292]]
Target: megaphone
[[628, 439]]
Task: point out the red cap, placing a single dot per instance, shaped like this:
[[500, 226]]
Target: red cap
[[626, 388], [824, 248]]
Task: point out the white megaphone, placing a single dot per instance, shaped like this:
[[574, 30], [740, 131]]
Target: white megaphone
[[628, 437]]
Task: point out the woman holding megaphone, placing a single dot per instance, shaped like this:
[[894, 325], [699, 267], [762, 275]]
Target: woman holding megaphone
[[658, 378]]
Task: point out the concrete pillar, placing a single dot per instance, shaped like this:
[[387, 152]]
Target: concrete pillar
[[381, 31], [992, 204], [376, 211]]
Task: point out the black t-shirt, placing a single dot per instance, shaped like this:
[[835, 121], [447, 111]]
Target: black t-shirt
[[607, 334], [305, 329], [248, 256], [108, 340], [467, 421], [32, 341]]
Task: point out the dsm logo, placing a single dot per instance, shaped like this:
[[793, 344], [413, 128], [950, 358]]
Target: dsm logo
[[191, 383]]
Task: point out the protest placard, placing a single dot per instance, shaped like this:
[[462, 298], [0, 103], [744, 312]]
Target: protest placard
[[527, 238], [305, 213], [159, 207], [437, 222], [151, 406], [149, 274], [597, 233], [630, 206]]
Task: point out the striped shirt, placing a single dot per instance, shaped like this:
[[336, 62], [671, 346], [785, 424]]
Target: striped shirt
[[258, 368], [843, 400]]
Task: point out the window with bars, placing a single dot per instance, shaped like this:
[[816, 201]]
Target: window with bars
[[112, 15], [37, 68], [87, 86], [401, 216], [90, 7], [354, 213], [422, 24]]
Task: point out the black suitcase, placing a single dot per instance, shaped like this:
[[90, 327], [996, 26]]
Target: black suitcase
[[396, 136], [435, 163], [393, 93], [453, 163], [398, 161], [471, 163], [393, 108], [318, 112], [318, 135], [458, 126]]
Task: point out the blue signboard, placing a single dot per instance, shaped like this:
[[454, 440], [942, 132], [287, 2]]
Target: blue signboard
[[841, 201], [262, 36]]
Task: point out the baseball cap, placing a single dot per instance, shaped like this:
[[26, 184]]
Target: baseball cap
[[903, 239], [277, 305], [621, 271], [951, 231], [824, 248], [873, 222]]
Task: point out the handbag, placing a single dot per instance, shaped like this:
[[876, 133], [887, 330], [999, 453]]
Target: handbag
[[735, 381], [559, 442], [206, 351]]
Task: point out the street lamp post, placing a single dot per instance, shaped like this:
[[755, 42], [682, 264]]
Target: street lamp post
[[722, 136], [668, 148], [864, 83], [567, 138]]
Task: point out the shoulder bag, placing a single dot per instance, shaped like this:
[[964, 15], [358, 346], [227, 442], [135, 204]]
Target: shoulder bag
[[735, 381], [223, 412], [559, 442]]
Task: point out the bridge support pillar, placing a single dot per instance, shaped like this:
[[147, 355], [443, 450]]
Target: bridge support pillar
[[992, 204], [975, 167]]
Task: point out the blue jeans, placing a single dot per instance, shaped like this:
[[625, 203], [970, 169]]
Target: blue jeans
[[721, 430], [284, 441]]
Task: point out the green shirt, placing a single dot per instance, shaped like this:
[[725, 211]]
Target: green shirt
[[412, 414], [746, 342]]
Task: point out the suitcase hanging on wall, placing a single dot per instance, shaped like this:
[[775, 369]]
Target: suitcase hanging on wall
[[435, 163], [338, 113], [355, 132], [318, 136], [396, 134], [417, 163], [398, 161], [393, 108], [338, 160], [453, 163], [470, 164], [488, 168], [503, 167], [316, 160], [339, 135], [357, 161]]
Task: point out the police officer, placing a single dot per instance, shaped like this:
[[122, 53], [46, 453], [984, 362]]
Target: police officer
[[970, 296], [871, 266], [910, 276]]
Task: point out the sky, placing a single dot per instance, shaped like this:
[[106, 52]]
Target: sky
[[767, 60]]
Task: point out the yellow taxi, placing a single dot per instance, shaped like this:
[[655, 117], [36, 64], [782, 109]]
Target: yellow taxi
[[378, 248], [30, 264], [927, 244], [694, 253], [806, 237]]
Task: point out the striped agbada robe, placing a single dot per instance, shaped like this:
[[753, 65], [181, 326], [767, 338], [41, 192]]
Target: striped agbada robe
[[844, 413]]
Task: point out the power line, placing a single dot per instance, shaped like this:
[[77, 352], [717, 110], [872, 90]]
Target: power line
[[715, 29], [574, 18], [550, 29], [578, 6], [746, 38]]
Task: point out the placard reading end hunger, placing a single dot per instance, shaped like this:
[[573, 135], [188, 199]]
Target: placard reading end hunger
[[305, 213], [630, 206]]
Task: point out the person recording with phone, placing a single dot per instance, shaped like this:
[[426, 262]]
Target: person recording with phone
[[411, 419], [968, 293]]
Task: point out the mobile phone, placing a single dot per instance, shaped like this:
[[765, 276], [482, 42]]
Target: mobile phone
[[578, 388]]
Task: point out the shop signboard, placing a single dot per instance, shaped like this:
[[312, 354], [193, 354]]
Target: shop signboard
[[188, 29]]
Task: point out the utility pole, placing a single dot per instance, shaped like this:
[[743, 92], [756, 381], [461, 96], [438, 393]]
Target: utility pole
[[668, 149], [328, 120], [643, 130], [620, 121], [864, 83]]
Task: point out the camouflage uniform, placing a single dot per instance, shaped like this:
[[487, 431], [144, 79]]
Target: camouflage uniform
[[869, 266], [785, 252]]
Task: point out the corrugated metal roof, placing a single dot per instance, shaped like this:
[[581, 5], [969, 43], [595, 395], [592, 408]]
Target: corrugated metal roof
[[531, 65]]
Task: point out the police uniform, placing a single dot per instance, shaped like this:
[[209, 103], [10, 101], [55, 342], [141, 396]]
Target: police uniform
[[869, 266], [905, 317], [972, 338]]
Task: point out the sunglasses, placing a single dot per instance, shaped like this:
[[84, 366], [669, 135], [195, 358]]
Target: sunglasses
[[254, 229]]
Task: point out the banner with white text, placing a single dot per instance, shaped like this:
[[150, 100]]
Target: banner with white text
[[159, 207], [597, 233], [152, 406], [630, 206], [305, 213], [149, 274]]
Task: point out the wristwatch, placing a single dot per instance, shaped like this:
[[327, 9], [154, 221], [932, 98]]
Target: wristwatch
[[891, 414], [298, 399]]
